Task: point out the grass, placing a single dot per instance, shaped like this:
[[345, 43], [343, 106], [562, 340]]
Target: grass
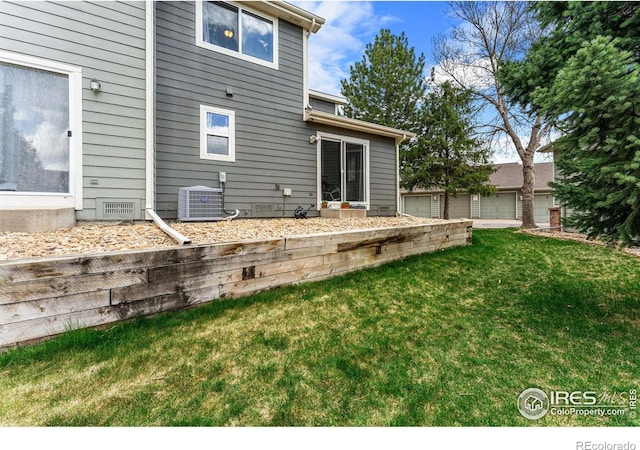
[[444, 339]]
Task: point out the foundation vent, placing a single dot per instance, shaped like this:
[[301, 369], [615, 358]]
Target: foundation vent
[[116, 210]]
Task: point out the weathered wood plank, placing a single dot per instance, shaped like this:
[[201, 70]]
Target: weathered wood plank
[[23, 311], [323, 239], [172, 285], [28, 330], [12, 272], [280, 267], [51, 287], [237, 262]]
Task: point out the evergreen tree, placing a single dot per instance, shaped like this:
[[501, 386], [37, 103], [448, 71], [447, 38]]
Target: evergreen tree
[[387, 85], [597, 94], [446, 156], [583, 73]]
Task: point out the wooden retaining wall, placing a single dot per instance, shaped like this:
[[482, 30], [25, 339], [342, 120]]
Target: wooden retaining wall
[[40, 298]]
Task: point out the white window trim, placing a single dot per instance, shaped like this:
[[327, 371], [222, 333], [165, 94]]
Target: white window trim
[[342, 139], [231, 157], [201, 43], [73, 198]]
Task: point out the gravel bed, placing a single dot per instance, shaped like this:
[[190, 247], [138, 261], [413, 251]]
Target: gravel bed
[[98, 238]]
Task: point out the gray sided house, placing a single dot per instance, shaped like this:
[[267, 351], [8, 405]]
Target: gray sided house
[[68, 152], [506, 203], [108, 109]]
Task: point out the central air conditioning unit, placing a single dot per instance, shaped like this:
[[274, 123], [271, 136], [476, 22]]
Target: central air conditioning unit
[[200, 203]]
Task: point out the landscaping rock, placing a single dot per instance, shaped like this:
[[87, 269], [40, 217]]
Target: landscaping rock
[[99, 237]]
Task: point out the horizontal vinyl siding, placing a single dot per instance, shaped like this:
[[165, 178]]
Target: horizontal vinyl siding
[[107, 40], [322, 105], [272, 141]]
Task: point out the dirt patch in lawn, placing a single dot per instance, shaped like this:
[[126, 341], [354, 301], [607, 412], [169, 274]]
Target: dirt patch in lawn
[[97, 238]]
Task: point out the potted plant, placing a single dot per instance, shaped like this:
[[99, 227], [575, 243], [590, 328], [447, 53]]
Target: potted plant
[[344, 205], [324, 204]]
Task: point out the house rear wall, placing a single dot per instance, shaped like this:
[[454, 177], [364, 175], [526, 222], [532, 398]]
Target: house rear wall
[[272, 140], [107, 40]]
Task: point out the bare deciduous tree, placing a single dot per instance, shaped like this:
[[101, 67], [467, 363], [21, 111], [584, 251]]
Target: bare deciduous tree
[[471, 56]]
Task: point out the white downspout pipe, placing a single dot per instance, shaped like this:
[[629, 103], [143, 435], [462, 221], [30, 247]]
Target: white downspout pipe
[[149, 126], [167, 229]]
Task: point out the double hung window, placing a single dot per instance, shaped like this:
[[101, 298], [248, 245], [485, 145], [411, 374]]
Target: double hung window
[[217, 134]]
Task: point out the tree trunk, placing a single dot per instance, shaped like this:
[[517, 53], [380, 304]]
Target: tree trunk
[[528, 220], [445, 213]]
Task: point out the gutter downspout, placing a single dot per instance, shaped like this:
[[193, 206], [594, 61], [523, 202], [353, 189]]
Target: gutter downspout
[[167, 229], [150, 153], [398, 197]]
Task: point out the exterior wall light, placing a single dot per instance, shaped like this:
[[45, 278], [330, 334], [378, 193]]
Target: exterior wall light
[[95, 85], [313, 139]]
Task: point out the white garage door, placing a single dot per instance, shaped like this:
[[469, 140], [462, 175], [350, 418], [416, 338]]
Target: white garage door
[[459, 207], [541, 205], [498, 206], [418, 205]]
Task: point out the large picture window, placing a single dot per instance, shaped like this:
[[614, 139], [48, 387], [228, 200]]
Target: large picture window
[[236, 31], [217, 134], [35, 136]]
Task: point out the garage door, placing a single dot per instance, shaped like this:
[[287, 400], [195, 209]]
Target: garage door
[[418, 206], [541, 205], [459, 207], [498, 206]]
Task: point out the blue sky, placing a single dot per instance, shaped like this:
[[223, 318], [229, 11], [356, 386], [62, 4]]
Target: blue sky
[[351, 25]]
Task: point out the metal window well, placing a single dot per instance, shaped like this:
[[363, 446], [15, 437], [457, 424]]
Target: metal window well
[[200, 203]]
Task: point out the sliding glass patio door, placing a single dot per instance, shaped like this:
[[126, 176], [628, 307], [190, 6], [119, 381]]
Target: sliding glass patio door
[[344, 170]]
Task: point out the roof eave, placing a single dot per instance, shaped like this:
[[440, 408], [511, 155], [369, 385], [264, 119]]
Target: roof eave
[[327, 97], [357, 125], [290, 13]]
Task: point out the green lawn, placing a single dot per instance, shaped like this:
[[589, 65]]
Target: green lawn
[[445, 339]]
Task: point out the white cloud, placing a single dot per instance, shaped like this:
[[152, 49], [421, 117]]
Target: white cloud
[[474, 75], [52, 146], [504, 151], [341, 41]]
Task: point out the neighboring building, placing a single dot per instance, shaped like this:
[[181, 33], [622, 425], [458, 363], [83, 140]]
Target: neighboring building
[[505, 204], [109, 108]]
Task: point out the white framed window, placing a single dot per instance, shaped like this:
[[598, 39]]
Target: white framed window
[[217, 134], [234, 30], [343, 169], [41, 142]]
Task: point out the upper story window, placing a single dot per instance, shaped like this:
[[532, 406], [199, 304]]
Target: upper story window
[[237, 31]]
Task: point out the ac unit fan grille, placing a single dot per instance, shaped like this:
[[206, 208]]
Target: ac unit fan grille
[[200, 203]]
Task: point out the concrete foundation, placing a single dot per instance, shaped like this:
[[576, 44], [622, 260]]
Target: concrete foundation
[[41, 219]]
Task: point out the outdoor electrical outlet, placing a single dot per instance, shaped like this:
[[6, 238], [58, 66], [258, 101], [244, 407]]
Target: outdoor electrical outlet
[[286, 192], [223, 177]]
